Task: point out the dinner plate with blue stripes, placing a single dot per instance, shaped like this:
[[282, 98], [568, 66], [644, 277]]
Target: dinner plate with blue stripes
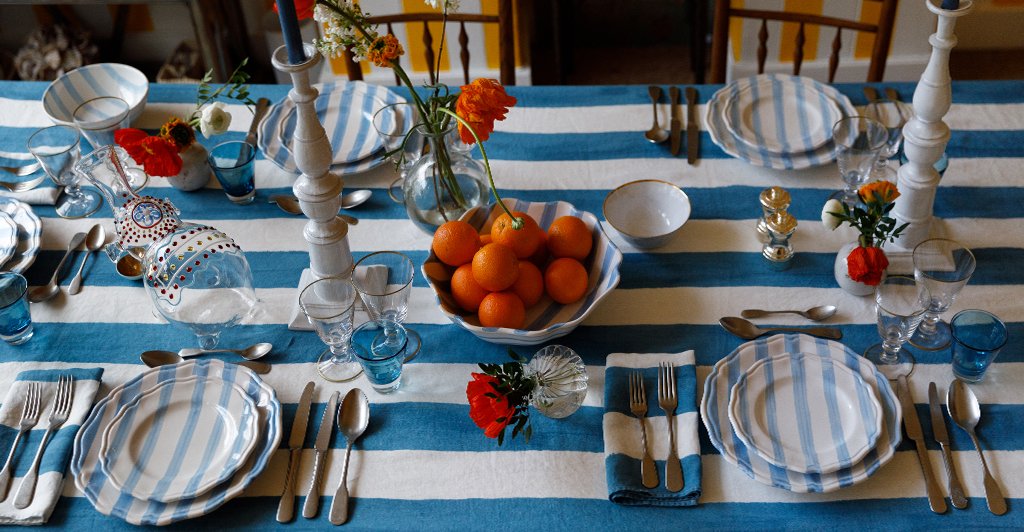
[[805, 412], [714, 412], [8, 237], [179, 438], [30, 230], [781, 115]]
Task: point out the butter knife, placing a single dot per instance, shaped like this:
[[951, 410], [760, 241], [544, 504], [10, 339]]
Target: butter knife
[[692, 131], [262, 105], [912, 425], [323, 442], [956, 491], [286, 508], [677, 121]]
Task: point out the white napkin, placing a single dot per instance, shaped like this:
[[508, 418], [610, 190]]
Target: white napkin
[[41, 195], [376, 276]]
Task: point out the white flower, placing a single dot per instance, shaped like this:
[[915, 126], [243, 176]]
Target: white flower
[[831, 221], [214, 120]]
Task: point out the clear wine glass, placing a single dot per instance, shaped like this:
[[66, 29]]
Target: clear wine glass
[[100, 117], [389, 303], [58, 149], [943, 266], [329, 303], [893, 115], [900, 303], [858, 140]]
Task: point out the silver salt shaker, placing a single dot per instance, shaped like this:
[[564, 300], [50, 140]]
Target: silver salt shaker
[[773, 200], [778, 251]]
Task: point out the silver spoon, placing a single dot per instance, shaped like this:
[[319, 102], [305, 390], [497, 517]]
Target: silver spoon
[[93, 242], [155, 359], [963, 408], [52, 288], [748, 331], [823, 312], [656, 134], [353, 418], [355, 198], [290, 205], [21, 171], [249, 353]]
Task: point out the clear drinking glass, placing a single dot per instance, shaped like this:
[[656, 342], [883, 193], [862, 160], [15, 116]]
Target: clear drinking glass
[[328, 303], [100, 117], [381, 363], [943, 266], [900, 303], [858, 140], [389, 304], [978, 336], [15, 319], [58, 149], [893, 115]]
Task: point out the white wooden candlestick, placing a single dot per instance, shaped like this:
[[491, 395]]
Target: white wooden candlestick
[[925, 136]]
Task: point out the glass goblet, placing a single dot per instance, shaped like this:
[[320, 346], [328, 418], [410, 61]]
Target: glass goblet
[[100, 117], [58, 149], [893, 115], [858, 140], [943, 266], [389, 303], [328, 304], [899, 303]]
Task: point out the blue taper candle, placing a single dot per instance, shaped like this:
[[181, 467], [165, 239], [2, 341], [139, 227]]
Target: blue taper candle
[[950, 4], [290, 30]]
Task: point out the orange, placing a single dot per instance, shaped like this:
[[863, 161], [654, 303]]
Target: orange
[[523, 241], [568, 236], [455, 242], [530, 284], [495, 267], [565, 280], [467, 293], [502, 309]]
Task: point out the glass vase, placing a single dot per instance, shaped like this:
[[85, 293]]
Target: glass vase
[[445, 182], [560, 381]]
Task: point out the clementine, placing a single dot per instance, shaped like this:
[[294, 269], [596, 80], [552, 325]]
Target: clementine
[[523, 241], [530, 284], [455, 242], [565, 280], [467, 293], [568, 236], [495, 267], [502, 309]]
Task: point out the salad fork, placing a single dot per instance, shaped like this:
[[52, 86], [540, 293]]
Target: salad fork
[[668, 402], [638, 406], [29, 418], [59, 413]]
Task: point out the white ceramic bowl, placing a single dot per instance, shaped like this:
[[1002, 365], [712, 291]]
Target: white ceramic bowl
[[647, 213], [82, 84], [547, 319]]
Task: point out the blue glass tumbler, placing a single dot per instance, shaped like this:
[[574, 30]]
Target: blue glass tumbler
[[15, 320], [382, 362], [233, 162], [977, 338]]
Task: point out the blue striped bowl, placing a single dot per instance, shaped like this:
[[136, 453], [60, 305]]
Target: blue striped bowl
[[547, 319], [80, 85]]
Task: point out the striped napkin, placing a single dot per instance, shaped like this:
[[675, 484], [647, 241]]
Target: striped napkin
[[58, 450], [41, 195], [622, 445]]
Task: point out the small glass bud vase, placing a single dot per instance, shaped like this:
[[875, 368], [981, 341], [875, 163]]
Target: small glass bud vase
[[560, 381], [773, 200], [778, 251]]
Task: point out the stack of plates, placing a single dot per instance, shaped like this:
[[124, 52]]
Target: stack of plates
[[20, 231], [345, 110], [800, 413], [777, 121], [176, 442]]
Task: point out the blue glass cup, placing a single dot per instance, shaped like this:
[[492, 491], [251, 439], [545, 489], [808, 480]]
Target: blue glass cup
[[233, 162], [15, 320], [382, 361], [977, 338]]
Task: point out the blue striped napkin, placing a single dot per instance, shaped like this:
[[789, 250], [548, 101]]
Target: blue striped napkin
[[622, 446], [58, 450]]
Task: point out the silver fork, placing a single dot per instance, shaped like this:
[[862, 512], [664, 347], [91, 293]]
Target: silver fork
[[22, 186], [58, 415], [668, 402], [638, 406], [29, 418]]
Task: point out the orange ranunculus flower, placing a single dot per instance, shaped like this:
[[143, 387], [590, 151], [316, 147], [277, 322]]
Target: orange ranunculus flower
[[882, 191], [489, 413], [867, 264], [178, 132], [385, 50], [161, 159], [480, 104], [303, 8]]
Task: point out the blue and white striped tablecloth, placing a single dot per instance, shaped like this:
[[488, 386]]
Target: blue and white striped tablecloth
[[424, 464]]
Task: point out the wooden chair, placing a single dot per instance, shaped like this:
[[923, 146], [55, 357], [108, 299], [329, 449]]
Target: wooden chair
[[506, 46], [882, 30]]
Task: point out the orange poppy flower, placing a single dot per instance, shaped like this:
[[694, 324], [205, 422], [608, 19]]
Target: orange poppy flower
[[880, 191], [480, 104]]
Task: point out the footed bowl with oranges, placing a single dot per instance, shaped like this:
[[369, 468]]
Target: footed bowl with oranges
[[526, 286]]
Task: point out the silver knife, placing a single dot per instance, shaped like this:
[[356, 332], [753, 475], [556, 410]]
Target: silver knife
[[262, 105], [692, 131], [677, 121], [286, 508], [956, 491], [913, 427], [323, 442]]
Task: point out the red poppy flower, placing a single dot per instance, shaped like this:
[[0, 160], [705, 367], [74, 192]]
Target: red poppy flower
[[867, 264], [131, 140], [480, 104], [489, 413], [161, 157], [303, 8]]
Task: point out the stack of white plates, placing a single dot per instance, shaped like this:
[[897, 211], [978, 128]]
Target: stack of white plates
[[176, 442], [777, 121], [345, 109], [20, 231], [800, 413]]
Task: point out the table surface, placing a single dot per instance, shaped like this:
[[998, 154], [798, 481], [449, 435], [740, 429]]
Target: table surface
[[424, 464]]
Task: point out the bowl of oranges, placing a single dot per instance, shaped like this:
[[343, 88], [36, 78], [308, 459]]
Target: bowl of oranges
[[521, 286]]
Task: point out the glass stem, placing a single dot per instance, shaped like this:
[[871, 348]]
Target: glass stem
[[928, 328], [890, 352]]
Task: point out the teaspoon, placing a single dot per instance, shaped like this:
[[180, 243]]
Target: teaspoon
[[823, 312], [156, 358], [52, 288], [965, 411], [656, 134], [353, 417], [249, 353], [93, 242], [290, 205], [748, 331]]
